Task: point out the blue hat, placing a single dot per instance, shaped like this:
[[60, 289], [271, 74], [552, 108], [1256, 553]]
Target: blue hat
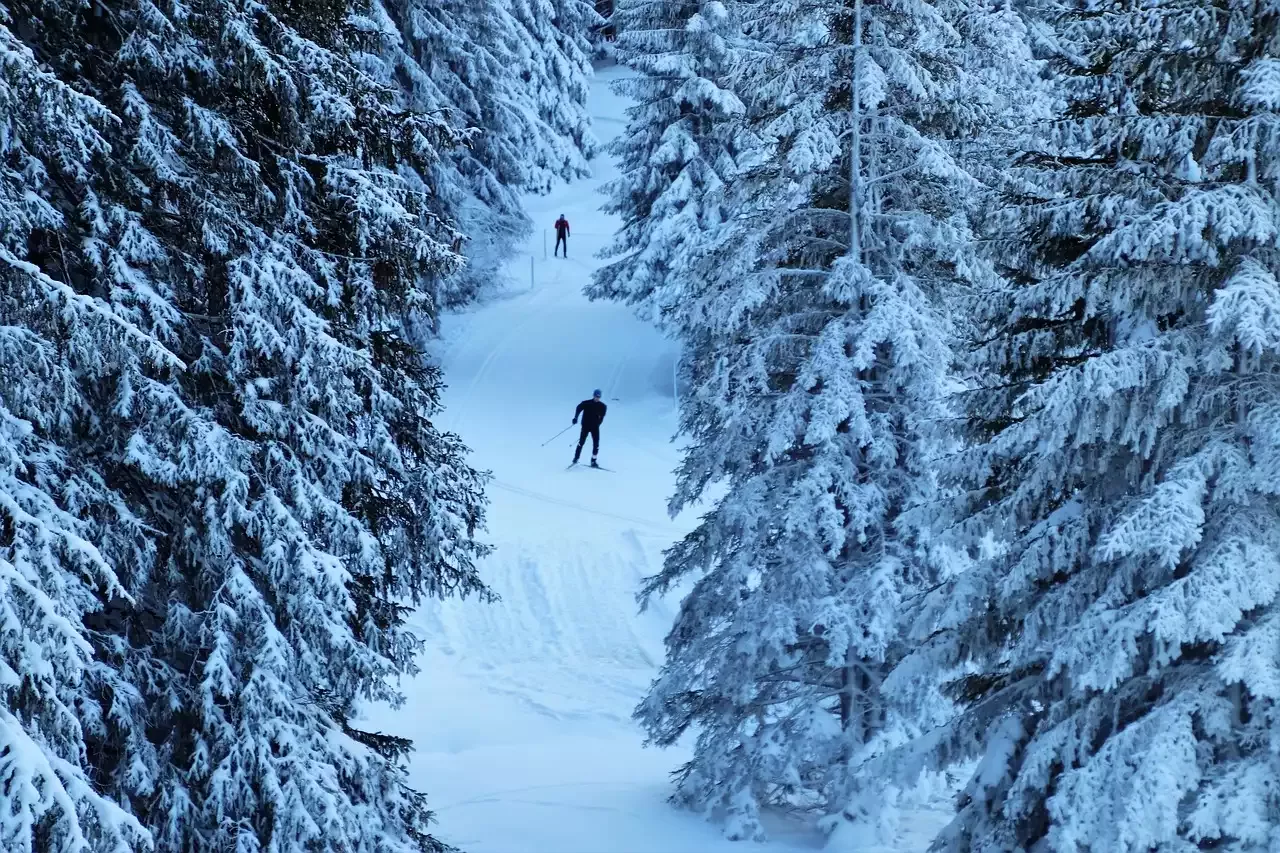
[[595, 393]]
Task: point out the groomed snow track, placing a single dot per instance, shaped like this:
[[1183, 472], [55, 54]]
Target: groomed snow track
[[521, 713]]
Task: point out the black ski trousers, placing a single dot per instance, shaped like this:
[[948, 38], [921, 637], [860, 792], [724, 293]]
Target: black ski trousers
[[560, 238], [594, 432]]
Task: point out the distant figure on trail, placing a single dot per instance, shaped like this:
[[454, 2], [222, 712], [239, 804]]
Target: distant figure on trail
[[562, 236], [592, 412]]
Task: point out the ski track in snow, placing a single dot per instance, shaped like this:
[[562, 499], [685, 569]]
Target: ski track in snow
[[521, 711]]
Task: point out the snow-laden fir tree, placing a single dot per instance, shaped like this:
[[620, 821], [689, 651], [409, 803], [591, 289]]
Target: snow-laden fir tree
[[450, 60], [603, 32], [678, 150], [817, 354], [55, 343], [1126, 454], [514, 76], [553, 70], [279, 464]]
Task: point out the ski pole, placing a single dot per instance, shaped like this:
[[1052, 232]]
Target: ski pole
[[557, 435]]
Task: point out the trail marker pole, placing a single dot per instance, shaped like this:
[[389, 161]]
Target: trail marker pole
[[531, 272], [544, 244]]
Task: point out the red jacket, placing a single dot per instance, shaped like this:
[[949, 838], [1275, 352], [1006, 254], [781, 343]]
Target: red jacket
[[562, 227]]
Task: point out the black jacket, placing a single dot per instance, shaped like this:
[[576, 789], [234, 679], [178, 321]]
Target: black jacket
[[592, 412]]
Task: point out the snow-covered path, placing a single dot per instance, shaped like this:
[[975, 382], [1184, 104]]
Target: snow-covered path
[[521, 714]]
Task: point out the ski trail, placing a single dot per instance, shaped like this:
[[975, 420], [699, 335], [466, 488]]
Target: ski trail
[[627, 519], [521, 713]]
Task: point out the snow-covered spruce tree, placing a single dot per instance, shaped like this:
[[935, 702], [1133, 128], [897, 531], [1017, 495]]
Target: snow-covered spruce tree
[[1126, 454], [515, 77], [284, 467], [554, 72], [449, 60], [817, 352], [603, 32], [54, 343], [678, 151]]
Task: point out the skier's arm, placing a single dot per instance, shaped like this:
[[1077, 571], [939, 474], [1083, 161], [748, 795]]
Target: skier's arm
[[577, 412], [603, 410]]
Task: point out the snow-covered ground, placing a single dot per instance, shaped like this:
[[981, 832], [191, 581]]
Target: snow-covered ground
[[521, 714]]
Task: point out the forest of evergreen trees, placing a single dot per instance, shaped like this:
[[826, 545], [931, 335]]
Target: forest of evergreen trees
[[979, 307], [981, 329], [226, 227]]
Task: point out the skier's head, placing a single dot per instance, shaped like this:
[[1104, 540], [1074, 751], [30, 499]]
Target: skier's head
[[595, 395]]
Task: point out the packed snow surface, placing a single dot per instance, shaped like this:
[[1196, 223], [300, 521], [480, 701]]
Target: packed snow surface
[[521, 713]]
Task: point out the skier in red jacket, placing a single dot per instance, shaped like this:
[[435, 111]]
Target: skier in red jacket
[[562, 236]]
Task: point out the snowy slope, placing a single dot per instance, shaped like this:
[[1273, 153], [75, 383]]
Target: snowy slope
[[521, 714]]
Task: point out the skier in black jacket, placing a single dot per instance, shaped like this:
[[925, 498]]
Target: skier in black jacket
[[592, 413]]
